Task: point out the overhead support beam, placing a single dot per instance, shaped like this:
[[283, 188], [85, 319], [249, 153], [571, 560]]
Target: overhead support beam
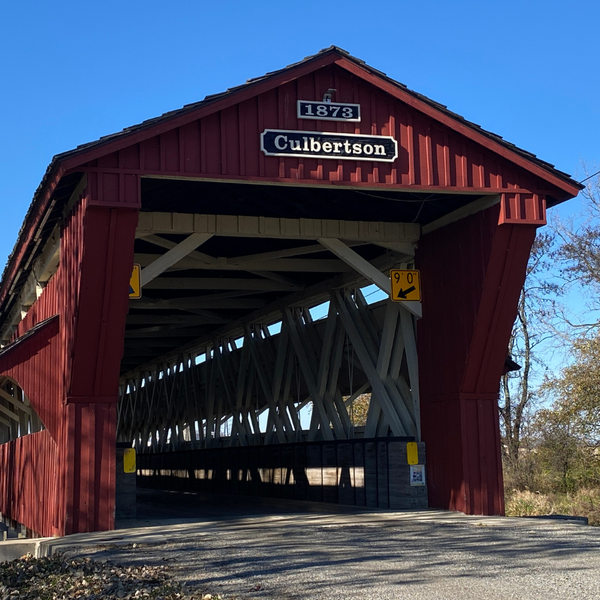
[[176, 320], [193, 306], [286, 253], [165, 331], [173, 256], [275, 277], [226, 264], [152, 223], [365, 268], [301, 297], [401, 247], [214, 283], [229, 300]]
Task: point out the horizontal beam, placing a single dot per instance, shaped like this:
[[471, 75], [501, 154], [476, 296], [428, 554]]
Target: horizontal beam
[[14, 402], [144, 343], [151, 223], [225, 264], [165, 331], [212, 283], [196, 303], [181, 320], [285, 253]]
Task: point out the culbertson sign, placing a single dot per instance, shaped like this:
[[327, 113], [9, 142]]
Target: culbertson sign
[[317, 144]]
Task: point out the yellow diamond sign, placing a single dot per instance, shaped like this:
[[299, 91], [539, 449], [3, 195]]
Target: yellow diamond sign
[[406, 285]]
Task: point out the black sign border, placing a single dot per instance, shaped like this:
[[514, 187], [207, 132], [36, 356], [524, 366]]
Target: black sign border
[[314, 118], [329, 156]]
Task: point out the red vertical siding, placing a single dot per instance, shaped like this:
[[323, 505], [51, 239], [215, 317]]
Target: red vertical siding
[[69, 370], [103, 248], [478, 268], [226, 144], [30, 481]]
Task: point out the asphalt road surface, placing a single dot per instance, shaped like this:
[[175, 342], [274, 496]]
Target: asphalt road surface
[[243, 549]]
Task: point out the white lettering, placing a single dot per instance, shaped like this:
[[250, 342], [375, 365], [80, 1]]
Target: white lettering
[[327, 145], [281, 137]]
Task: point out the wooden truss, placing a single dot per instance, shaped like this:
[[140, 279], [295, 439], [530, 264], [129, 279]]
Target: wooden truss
[[254, 389], [17, 417]]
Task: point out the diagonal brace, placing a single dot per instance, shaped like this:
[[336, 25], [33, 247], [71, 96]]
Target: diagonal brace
[[174, 255]]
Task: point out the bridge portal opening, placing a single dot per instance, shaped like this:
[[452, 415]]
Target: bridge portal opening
[[261, 334]]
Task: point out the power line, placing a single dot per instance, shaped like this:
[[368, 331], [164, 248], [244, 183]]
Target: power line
[[592, 175]]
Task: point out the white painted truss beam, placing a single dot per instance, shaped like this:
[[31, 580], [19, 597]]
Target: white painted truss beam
[[172, 256], [153, 223]]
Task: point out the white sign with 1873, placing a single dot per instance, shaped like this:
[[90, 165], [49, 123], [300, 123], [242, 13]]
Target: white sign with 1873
[[328, 111]]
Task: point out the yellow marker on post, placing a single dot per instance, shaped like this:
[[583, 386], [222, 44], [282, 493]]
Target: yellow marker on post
[[129, 465], [135, 283], [412, 453]]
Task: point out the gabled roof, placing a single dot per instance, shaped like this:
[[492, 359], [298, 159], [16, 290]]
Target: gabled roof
[[61, 164], [330, 53]]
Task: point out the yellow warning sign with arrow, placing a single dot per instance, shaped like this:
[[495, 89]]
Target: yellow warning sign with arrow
[[406, 285]]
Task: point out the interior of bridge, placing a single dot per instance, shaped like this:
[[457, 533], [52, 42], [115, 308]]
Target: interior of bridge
[[226, 280]]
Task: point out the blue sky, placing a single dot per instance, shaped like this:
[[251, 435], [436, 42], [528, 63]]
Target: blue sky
[[73, 71]]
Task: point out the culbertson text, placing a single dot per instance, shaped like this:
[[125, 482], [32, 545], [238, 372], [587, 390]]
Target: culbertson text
[[277, 142]]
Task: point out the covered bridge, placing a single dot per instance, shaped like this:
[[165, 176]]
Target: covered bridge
[[257, 217]]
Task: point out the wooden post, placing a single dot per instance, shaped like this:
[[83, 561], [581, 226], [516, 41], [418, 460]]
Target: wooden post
[[96, 264]]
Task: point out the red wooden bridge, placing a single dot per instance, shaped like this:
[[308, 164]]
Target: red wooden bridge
[[246, 211]]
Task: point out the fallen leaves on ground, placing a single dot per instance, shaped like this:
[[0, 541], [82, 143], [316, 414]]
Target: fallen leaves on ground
[[59, 578]]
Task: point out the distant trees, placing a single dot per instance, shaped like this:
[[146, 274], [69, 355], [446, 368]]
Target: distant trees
[[359, 410], [578, 253], [518, 392], [551, 425]]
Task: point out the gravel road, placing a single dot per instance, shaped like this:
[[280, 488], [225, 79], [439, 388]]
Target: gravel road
[[380, 555]]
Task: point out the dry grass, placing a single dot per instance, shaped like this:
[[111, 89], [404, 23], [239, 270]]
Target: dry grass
[[584, 503]]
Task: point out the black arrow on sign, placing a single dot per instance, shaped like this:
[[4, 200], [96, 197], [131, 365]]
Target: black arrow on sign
[[402, 293]]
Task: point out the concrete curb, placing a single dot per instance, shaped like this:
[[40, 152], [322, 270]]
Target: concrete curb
[[13, 549]]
